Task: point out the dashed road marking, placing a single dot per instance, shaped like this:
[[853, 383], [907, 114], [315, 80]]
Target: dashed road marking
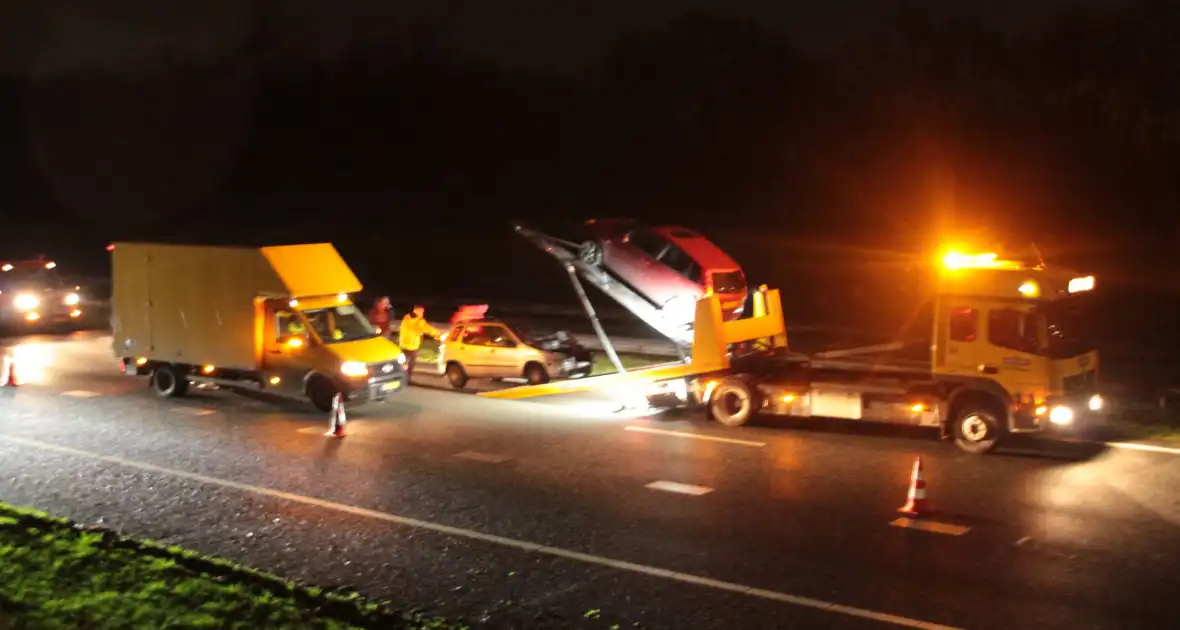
[[933, 527], [695, 436], [680, 488], [81, 393], [490, 458], [1150, 448], [458, 532], [194, 411]]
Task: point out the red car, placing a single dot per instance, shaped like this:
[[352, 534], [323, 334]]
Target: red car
[[671, 266]]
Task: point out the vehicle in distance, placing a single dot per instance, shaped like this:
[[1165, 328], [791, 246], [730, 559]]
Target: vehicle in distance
[[33, 293], [489, 348], [670, 266], [278, 319]]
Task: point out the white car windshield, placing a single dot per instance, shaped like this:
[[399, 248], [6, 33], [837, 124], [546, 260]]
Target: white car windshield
[[340, 323]]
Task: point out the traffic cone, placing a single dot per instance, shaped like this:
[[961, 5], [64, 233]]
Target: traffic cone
[[338, 418], [10, 379], [916, 504]]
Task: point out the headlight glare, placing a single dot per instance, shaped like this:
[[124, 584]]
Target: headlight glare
[[26, 302], [1061, 415], [354, 368], [72, 299]]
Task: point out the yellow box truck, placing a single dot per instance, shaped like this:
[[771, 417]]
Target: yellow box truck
[[272, 318]]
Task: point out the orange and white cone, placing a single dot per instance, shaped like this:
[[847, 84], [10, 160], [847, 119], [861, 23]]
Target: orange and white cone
[[916, 504], [338, 418], [9, 374]]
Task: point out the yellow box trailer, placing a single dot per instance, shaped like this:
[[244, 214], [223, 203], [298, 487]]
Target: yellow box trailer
[[273, 318]]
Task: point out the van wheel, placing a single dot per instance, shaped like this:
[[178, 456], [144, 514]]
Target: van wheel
[[734, 402], [590, 252], [977, 429], [322, 392], [535, 374], [169, 381], [456, 375]]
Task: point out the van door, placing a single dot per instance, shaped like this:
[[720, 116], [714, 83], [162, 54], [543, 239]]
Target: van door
[[285, 343]]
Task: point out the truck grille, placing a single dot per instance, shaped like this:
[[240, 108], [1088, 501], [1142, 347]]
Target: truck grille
[[385, 369]]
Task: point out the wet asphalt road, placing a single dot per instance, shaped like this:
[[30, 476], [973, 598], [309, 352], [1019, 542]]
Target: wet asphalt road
[[435, 498]]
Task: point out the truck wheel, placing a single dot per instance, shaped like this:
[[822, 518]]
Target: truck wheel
[[169, 381], [590, 253], [322, 392], [977, 429], [535, 374], [733, 402], [456, 375]]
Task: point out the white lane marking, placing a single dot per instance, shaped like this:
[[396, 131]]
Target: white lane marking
[[1150, 448], [695, 436], [193, 411], [933, 527], [568, 554], [81, 393], [490, 458], [681, 488]]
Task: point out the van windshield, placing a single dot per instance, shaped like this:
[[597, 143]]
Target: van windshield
[[340, 323]]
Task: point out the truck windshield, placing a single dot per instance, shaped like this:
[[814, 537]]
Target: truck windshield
[[31, 277], [340, 323], [1066, 327]]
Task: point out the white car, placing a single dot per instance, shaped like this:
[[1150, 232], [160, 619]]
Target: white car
[[492, 349]]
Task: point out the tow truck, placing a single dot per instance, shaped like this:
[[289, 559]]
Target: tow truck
[[1005, 356]]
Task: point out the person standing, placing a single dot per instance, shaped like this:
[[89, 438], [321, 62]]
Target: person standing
[[381, 317], [414, 327]]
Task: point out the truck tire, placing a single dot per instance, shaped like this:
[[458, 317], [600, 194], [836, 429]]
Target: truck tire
[[169, 381], [977, 427], [456, 375], [322, 392], [733, 402], [535, 374]]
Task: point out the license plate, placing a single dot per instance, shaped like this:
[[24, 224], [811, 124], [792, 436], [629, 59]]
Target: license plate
[[391, 386]]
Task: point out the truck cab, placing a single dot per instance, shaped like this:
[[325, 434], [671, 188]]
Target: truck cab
[[1013, 332], [33, 294], [323, 345]]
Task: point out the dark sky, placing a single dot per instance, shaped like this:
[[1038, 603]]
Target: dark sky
[[553, 35]]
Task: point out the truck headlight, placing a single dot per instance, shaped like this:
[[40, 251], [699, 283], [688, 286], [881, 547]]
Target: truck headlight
[[72, 299], [354, 368], [1096, 403], [401, 358], [1061, 415], [26, 302]]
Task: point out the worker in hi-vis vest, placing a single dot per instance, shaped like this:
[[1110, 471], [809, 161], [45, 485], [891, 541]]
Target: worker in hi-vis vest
[[409, 337]]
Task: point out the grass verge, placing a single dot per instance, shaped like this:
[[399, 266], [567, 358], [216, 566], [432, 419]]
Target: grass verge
[[56, 574]]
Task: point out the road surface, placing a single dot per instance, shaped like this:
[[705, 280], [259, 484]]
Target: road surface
[[565, 514]]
